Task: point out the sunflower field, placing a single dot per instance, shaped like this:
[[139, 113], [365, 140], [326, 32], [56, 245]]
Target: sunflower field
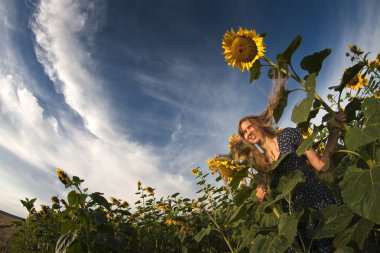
[[227, 217]]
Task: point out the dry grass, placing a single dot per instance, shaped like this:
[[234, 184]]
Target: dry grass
[[7, 229]]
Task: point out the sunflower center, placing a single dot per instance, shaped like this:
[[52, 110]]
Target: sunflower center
[[353, 81], [243, 49]]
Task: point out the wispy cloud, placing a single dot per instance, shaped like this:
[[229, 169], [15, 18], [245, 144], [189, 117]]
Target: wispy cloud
[[95, 150]]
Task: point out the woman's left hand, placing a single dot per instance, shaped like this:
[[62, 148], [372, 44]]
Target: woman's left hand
[[340, 116]]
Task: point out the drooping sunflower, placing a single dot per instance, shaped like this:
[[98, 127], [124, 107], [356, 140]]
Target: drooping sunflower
[[223, 164], [149, 190], [195, 172], [234, 141], [357, 81], [63, 177], [242, 48]]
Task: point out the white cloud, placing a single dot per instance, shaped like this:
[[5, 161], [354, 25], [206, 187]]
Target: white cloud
[[105, 158]]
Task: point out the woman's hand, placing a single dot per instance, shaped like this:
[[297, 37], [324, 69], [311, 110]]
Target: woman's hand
[[261, 191], [340, 116]]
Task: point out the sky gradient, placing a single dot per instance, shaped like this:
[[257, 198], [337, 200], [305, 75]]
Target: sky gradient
[[126, 90]]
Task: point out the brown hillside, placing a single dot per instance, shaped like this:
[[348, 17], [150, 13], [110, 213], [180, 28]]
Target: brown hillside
[[7, 229]]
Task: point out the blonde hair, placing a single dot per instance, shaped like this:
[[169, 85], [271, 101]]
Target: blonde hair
[[264, 123]]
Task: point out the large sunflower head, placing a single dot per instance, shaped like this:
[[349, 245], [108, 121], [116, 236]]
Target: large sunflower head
[[357, 81], [242, 48]]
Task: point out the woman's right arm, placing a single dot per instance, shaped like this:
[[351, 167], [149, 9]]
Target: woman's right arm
[[320, 161]]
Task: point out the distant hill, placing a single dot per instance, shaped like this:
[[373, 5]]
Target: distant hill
[[7, 228]]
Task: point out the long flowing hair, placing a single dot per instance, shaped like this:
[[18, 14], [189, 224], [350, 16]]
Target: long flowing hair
[[264, 123]]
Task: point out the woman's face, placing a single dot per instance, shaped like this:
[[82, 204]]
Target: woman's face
[[251, 133]]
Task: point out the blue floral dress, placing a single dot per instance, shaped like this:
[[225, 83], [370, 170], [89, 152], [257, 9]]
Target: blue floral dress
[[313, 193]]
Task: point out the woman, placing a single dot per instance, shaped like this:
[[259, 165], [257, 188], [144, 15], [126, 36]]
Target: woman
[[257, 130]]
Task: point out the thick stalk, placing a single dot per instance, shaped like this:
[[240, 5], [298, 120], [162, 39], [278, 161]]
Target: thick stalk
[[220, 231]]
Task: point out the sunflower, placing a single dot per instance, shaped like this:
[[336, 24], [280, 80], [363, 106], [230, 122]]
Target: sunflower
[[234, 141], [195, 172], [357, 81], [55, 200], [125, 204], [114, 201], [307, 133], [243, 48], [321, 148], [139, 185], [355, 49], [149, 190], [163, 207], [63, 177], [377, 94], [223, 164], [378, 62]]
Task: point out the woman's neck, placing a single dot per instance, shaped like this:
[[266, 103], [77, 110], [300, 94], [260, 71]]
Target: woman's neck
[[267, 143], [270, 147]]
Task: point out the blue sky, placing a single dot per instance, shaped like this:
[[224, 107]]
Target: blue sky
[[126, 90]]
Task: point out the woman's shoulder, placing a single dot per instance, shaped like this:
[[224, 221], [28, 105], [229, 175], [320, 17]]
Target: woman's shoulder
[[290, 130], [291, 133]]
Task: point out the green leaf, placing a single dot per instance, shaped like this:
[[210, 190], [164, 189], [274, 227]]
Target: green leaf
[[282, 103], [349, 74], [67, 226], [371, 110], [345, 249], [205, 231], [65, 241], [100, 200], [248, 238], [260, 244], [287, 184], [301, 111], [239, 213], [268, 219], [332, 220], [357, 137], [287, 226], [313, 63], [310, 84], [362, 229], [358, 232], [28, 204], [307, 143], [255, 71], [279, 160], [242, 194], [285, 57], [175, 194], [73, 198], [360, 190], [236, 179], [278, 244]]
